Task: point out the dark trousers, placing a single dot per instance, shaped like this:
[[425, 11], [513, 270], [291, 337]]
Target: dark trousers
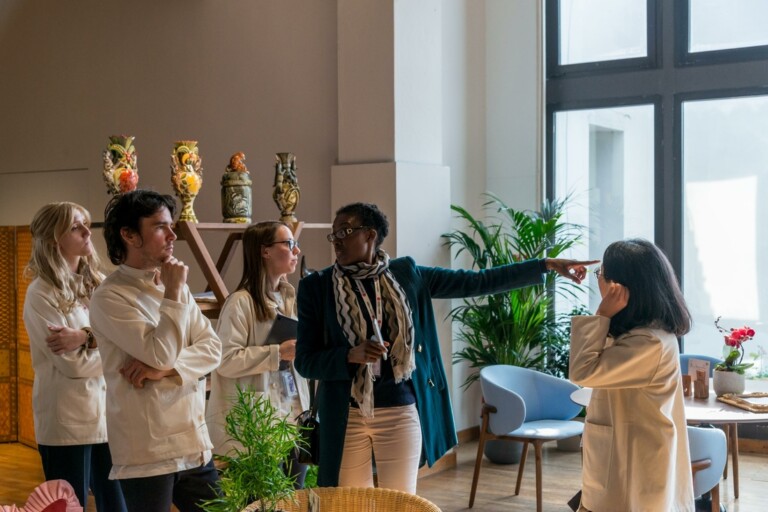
[[295, 469], [84, 466], [185, 489]]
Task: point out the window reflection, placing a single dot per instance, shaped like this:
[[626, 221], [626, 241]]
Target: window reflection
[[725, 173]]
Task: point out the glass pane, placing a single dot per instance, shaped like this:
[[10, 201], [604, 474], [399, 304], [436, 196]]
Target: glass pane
[[604, 160], [598, 30], [725, 157], [719, 25]]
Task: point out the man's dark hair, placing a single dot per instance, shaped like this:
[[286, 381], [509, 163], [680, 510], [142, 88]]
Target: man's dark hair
[[126, 211], [369, 215]]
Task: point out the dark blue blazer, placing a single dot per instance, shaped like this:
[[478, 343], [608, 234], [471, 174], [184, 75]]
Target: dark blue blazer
[[321, 350]]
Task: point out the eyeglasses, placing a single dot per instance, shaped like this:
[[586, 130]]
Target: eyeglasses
[[598, 272], [292, 244], [343, 233]]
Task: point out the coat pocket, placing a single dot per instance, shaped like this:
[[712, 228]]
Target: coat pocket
[[598, 455], [79, 402], [173, 409]]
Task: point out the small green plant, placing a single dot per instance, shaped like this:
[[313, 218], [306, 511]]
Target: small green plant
[[254, 470]]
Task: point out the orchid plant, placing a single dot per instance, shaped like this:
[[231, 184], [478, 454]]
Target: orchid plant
[[733, 351]]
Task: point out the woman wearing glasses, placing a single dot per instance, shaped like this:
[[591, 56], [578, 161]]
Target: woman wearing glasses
[[635, 440], [367, 332], [251, 357]]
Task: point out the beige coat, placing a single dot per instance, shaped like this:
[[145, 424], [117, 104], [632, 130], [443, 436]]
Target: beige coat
[[636, 455], [247, 362], [69, 393], [163, 422]]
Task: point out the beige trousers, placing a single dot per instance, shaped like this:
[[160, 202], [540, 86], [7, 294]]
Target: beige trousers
[[393, 435]]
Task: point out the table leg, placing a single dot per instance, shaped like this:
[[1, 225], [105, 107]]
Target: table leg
[[734, 439]]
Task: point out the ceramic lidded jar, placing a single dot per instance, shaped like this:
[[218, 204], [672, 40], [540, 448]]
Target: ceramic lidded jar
[[236, 191]]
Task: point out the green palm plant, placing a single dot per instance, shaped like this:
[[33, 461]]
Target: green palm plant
[[517, 327]]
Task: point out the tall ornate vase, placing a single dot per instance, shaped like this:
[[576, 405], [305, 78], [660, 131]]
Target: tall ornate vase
[[120, 173], [236, 191], [186, 176], [728, 382], [286, 191]]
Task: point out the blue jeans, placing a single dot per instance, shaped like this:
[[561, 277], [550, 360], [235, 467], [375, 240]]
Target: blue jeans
[[185, 489], [84, 466]]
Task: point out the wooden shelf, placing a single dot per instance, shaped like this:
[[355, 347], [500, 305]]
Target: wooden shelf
[[190, 233]]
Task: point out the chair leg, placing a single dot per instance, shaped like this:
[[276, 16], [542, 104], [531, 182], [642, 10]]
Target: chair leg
[[520, 469], [478, 461], [727, 431], [714, 494], [537, 444]]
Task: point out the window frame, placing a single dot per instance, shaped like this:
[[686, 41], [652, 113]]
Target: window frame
[[685, 58], [552, 35]]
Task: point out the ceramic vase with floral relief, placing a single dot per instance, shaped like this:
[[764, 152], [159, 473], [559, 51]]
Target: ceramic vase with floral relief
[[724, 382], [120, 173], [286, 191], [186, 176]]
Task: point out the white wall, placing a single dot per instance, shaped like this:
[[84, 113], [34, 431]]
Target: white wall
[[492, 123]]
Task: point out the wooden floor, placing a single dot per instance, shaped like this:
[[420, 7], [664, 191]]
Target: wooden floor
[[20, 472]]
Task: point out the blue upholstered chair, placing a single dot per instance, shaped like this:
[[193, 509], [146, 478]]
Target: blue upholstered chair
[[685, 357], [528, 406], [708, 457]]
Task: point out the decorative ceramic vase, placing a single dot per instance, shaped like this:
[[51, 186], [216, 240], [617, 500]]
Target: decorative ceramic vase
[[236, 191], [286, 191], [186, 176], [120, 171], [728, 382]]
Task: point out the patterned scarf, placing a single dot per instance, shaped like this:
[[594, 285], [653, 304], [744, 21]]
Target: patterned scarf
[[397, 311]]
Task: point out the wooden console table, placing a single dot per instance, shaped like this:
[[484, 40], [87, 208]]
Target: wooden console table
[[190, 233]]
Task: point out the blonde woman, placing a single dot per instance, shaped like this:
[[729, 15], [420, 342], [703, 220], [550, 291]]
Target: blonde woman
[[245, 322], [68, 395]]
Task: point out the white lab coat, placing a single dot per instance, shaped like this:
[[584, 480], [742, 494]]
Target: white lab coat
[[248, 363]]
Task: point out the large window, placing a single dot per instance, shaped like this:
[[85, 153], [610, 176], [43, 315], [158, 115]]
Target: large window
[[604, 162], [659, 130]]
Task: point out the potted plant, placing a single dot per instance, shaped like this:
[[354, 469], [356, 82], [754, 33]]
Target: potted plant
[[518, 327], [728, 376], [253, 472]]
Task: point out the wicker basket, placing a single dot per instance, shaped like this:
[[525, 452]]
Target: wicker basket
[[353, 499]]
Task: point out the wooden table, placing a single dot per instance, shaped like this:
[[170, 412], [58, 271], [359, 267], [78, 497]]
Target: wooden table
[[711, 411]]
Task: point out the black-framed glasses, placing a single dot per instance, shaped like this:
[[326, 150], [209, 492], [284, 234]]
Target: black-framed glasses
[[292, 244], [343, 233], [598, 272]]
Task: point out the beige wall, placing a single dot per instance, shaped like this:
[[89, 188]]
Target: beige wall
[[257, 76]]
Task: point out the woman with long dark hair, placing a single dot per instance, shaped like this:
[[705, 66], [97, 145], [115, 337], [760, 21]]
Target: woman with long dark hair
[[636, 454]]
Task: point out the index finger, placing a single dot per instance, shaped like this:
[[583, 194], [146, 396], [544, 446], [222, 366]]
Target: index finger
[[585, 263]]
